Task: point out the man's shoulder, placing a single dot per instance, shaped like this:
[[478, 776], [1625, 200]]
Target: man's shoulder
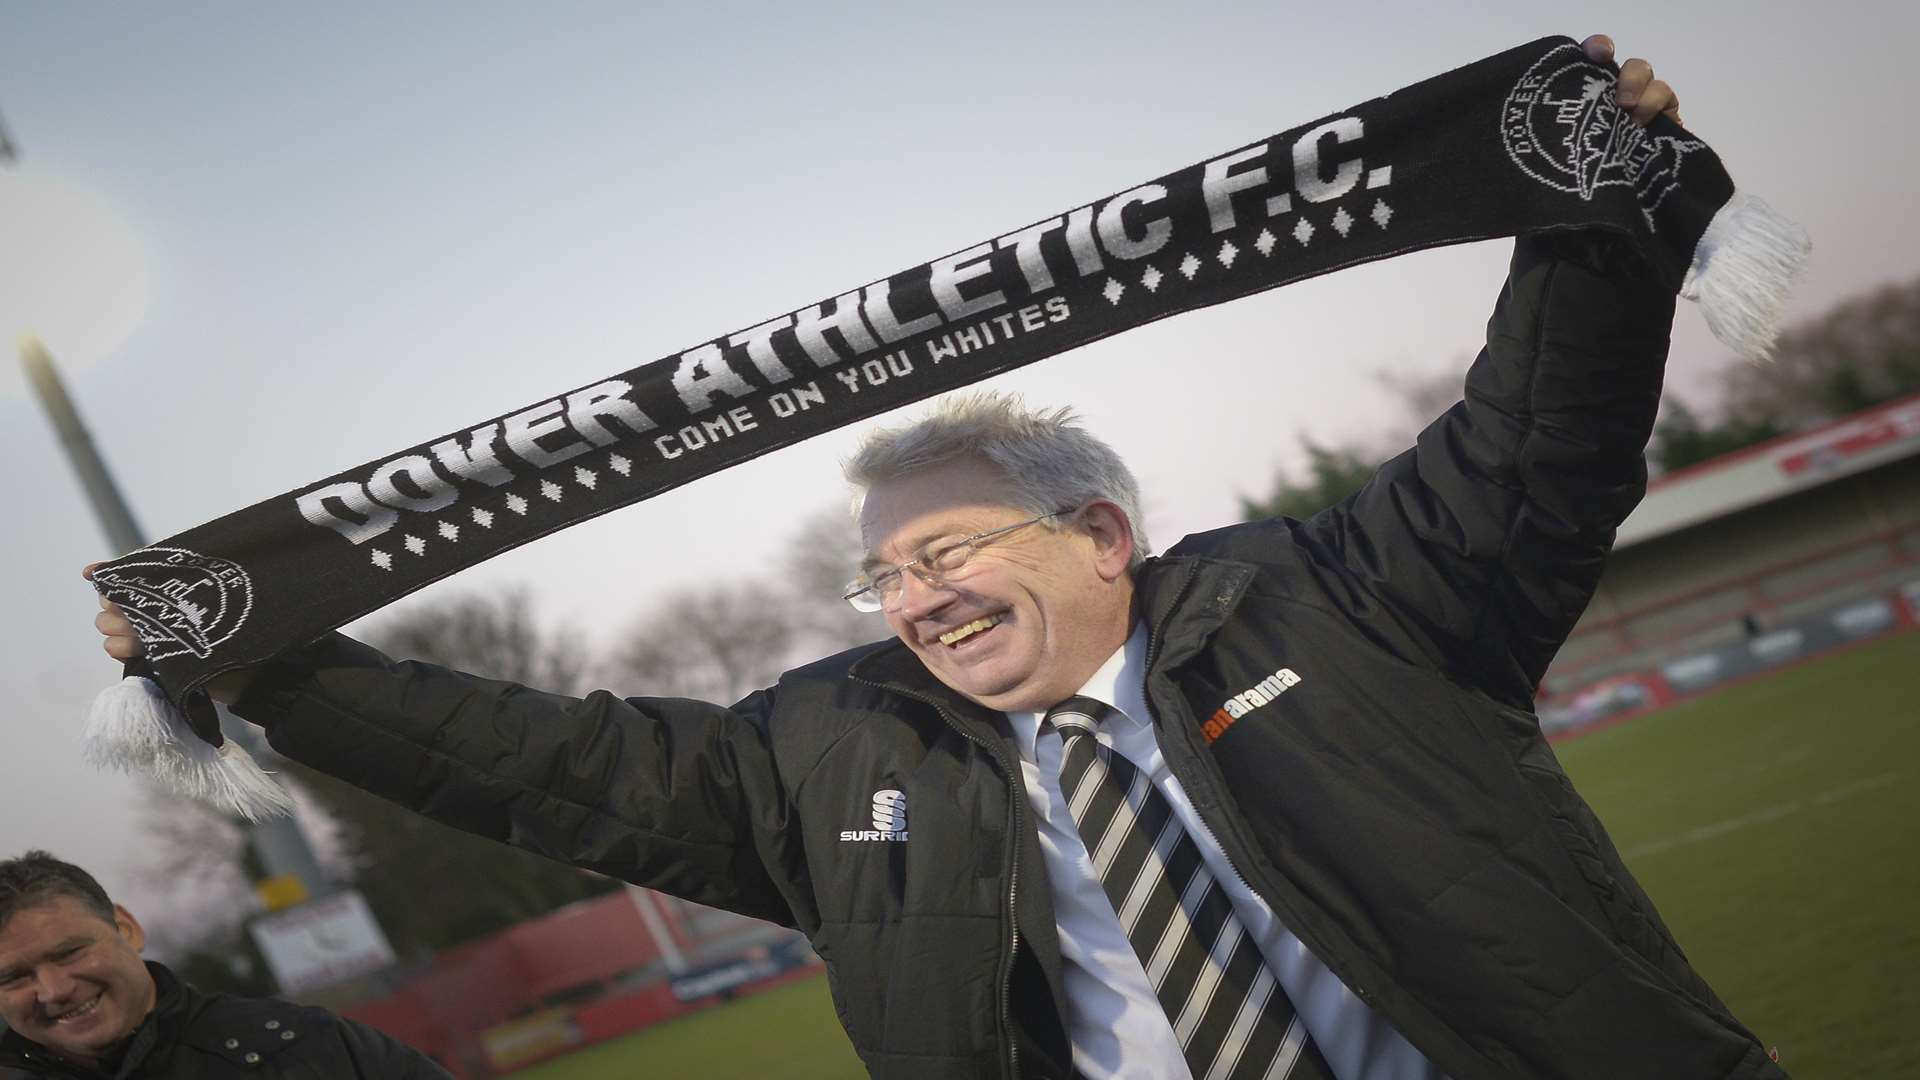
[[1240, 540], [247, 1030], [835, 668], [1277, 548], [844, 682], [253, 1033]]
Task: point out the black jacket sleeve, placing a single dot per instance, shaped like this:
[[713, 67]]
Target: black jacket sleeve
[[378, 1056], [677, 795], [1486, 540]]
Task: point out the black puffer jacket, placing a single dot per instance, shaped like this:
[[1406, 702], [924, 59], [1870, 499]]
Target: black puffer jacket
[[1396, 806], [194, 1036]]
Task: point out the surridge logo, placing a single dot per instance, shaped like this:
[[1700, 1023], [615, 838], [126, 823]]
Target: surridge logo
[[178, 601], [889, 818], [1247, 700], [1562, 127]]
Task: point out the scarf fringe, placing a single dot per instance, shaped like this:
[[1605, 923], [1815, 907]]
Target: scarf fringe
[[1742, 270], [133, 728]]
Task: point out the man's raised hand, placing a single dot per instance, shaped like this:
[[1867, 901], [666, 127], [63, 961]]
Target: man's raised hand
[[1637, 91], [123, 644]]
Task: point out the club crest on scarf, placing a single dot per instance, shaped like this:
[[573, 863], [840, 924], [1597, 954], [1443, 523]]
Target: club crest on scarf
[[178, 601], [1562, 127]]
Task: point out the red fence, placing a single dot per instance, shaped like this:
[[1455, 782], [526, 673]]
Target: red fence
[[584, 973]]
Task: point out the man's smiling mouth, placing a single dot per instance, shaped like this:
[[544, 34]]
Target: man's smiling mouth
[[961, 633], [80, 1013]]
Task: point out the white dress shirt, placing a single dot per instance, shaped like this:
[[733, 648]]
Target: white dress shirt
[[1115, 1022]]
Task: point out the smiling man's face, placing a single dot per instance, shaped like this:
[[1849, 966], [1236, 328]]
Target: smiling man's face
[[1031, 615], [72, 981]]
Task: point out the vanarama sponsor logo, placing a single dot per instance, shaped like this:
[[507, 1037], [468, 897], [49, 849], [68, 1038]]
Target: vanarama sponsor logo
[[1248, 700], [889, 818]]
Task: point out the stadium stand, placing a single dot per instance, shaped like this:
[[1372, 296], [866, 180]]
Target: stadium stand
[[1747, 562]]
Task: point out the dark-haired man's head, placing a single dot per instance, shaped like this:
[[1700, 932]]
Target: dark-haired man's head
[[71, 977]]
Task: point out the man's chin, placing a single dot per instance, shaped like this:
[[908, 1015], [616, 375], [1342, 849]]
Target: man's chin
[[89, 1044], [982, 685], [1010, 695], [1004, 678]]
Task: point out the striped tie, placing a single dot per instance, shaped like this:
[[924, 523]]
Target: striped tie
[[1232, 1019]]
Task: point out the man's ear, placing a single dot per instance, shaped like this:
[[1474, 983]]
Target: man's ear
[[1112, 535], [129, 927]]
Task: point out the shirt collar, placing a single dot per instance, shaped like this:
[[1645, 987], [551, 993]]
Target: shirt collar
[[1120, 682]]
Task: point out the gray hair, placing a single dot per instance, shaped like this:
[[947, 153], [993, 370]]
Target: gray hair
[[37, 877], [1050, 460]]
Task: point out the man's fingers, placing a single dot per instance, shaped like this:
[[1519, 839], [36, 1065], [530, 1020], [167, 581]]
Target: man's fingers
[[1658, 98], [1635, 75], [118, 636], [87, 570], [1598, 47], [1643, 96]]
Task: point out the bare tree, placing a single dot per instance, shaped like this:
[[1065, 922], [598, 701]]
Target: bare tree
[[193, 872], [719, 643], [715, 644], [822, 558], [192, 867], [1860, 353], [1335, 471], [1332, 474], [1422, 396], [495, 635]]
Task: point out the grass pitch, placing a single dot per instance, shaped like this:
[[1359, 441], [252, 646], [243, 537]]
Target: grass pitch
[[786, 1032], [1773, 823]]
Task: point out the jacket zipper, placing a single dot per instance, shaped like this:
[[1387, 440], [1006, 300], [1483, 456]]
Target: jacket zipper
[[1013, 863], [1205, 826], [1153, 718], [1153, 645]]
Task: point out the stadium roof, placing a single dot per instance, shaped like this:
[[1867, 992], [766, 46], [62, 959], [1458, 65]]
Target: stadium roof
[[1775, 469]]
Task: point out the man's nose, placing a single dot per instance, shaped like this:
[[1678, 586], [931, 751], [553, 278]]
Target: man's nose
[[921, 594], [53, 983]]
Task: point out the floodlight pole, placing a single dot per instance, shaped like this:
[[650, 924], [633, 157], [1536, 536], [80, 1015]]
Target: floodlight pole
[[278, 846]]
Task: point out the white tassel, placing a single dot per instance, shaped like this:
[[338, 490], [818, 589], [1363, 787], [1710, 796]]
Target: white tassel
[[132, 727], [239, 785], [1742, 270]]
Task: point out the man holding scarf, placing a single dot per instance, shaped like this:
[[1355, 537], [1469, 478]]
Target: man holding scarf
[[1271, 805]]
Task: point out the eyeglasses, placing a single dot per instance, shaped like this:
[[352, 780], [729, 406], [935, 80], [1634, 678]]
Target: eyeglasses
[[881, 591]]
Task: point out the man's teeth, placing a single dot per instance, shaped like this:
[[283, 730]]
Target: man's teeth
[[961, 633], [77, 1013]]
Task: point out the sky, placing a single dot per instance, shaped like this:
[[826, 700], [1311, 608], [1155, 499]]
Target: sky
[[269, 242]]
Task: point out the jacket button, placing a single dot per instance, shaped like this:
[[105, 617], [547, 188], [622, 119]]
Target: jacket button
[[252, 1059], [233, 1044], [272, 1024], [286, 1035]]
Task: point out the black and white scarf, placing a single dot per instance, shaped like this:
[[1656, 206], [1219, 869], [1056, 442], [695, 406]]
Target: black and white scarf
[[1523, 142]]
